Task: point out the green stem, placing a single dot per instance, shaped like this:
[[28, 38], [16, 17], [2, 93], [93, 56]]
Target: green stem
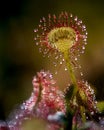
[[70, 68], [82, 110], [74, 127]]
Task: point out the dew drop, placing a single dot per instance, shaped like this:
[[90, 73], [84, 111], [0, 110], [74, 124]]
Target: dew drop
[[63, 60], [76, 38], [84, 29], [35, 38], [85, 40], [66, 69], [44, 19], [83, 26], [54, 63], [60, 62], [83, 47], [22, 107], [16, 117], [37, 43], [102, 126], [60, 55], [40, 21], [76, 18], [86, 33], [79, 66], [56, 72], [50, 76], [56, 57], [95, 102], [87, 117], [92, 92], [84, 113], [95, 107], [40, 49], [80, 21], [35, 30], [92, 113], [45, 52], [49, 55], [82, 52], [99, 118], [76, 59], [71, 15], [81, 73]]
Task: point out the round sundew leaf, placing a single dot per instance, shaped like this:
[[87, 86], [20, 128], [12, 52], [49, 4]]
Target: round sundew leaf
[[58, 34]]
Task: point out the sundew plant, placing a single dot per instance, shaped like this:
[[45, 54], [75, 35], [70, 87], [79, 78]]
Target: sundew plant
[[64, 37]]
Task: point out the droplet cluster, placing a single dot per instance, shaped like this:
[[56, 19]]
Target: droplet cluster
[[52, 100], [41, 103], [89, 95], [62, 22], [23, 112], [85, 97]]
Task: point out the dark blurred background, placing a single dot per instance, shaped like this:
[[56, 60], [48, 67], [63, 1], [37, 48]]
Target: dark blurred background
[[19, 57]]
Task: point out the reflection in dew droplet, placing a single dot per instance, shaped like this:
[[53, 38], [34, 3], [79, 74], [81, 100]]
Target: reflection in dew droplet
[[56, 72], [87, 117], [37, 43], [85, 40], [61, 55], [81, 73], [55, 64], [60, 62], [92, 113], [79, 66], [35, 38], [56, 57], [102, 126], [63, 59], [71, 15], [99, 118], [83, 47], [84, 113], [82, 52], [66, 69], [49, 55], [83, 26], [35, 30], [76, 18], [40, 49], [85, 43], [76, 59]]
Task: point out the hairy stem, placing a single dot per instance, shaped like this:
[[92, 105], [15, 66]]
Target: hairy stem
[[70, 68], [82, 110], [39, 96]]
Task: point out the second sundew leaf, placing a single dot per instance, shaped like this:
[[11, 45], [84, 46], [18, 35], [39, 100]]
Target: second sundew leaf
[[49, 98]]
